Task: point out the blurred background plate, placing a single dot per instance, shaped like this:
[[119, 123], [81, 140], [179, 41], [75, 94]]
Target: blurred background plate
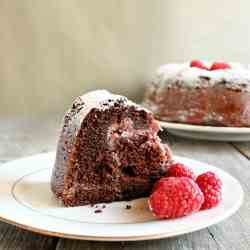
[[207, 132]]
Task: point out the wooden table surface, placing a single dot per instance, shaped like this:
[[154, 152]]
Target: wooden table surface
[[21, 137]]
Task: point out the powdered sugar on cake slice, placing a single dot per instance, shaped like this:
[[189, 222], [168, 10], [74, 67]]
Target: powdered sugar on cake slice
[[101, 99], [98, 99]]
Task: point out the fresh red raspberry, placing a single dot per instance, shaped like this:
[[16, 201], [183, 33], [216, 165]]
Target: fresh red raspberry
[[175, 197], [219, 65], [179, 170], [210, 185], [198, 64]]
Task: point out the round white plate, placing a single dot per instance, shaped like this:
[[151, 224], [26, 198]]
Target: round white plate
[[26, 201], [207, 132]]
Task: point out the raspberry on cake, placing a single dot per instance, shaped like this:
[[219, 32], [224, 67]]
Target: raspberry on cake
[[202, 93], [198, 64], [219, 65], [108, 150]]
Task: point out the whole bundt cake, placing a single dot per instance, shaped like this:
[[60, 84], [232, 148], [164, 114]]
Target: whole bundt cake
[[201, 93], [108, 150]]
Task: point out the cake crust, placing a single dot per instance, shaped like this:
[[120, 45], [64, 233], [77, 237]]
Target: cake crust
[[108, 150]]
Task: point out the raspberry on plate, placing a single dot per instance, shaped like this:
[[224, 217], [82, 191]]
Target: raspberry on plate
[[175, 197], [179, 170], [220, 65], [210, 185], [160, 183], [198, 64]]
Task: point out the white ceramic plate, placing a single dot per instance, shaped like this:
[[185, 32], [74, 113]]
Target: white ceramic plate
[[26, 201], [207, 132]]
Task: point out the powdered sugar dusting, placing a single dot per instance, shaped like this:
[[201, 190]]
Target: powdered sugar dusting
[[238, 76], [95, 99], [98, 99]]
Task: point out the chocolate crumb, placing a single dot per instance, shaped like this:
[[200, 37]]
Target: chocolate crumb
[[103, 206], [98, 211], [128, 206], [96, 206]]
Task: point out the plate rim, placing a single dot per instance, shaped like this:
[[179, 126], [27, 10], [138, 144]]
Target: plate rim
[[200, 226], [203, 128]]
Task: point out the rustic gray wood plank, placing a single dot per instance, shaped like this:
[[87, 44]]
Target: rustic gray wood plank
[[199, 241], [243, 148], [18, 138], [16, 238], [21, 137]]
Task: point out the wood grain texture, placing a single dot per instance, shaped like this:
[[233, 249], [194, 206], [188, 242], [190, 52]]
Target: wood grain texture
[[201, 240], [243, 148], [22, 137], [18, 138], [18, 239]]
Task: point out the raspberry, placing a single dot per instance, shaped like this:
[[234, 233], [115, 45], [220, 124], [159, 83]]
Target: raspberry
[[220, 65], [198, 64], [175, 197], [210, 185], [179, 170]]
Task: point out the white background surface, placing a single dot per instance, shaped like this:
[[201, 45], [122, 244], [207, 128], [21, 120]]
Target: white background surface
[[52, 51]]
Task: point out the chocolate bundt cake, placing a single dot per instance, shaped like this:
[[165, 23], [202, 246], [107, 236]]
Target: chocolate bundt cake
[[108, 150], [201, 93]]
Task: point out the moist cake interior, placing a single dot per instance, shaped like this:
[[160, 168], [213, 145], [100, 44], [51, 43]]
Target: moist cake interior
[[118, 156]]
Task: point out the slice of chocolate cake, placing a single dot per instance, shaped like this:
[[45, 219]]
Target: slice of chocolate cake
[[108, 150]]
